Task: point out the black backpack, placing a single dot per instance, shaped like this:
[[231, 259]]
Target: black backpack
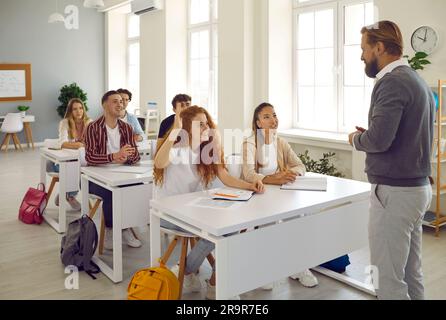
[[79, 245]]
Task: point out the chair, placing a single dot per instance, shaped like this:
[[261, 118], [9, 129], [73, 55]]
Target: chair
[[54, 179], [92, 213], [12, 125], [183, 238]]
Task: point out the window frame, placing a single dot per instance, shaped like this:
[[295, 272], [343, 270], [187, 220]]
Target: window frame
[[212, 27], [339, 38]]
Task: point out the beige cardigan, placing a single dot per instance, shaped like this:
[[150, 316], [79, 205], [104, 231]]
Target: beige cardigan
[[63, 132], [286, 159]]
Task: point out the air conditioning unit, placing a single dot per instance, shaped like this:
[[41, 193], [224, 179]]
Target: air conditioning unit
[[143, 6]]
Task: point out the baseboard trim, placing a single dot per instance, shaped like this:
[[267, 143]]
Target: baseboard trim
[[25, 146]]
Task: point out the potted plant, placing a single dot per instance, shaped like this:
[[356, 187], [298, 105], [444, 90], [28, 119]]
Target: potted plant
[[418, 61], [322, 166], [67, 93], [23, 110]]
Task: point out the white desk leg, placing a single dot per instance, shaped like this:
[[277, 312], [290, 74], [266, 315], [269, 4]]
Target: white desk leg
[[221, 261], [43, 170], [61, 225], [117, 235], [62, 197], [85, 191], [155, 238]]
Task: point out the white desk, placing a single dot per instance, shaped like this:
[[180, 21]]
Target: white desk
[[130, 206], [27, 120], [69, 172], [145, 149], [334, 223]]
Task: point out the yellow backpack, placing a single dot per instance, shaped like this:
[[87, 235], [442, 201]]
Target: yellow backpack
[[154, 284]]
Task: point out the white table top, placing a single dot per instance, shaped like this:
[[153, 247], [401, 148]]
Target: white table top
[[61, 155], [115, 179], [28, 118], [273, 206]]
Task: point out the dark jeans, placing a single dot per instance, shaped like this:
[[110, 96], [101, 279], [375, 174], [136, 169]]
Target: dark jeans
[[107, 202]]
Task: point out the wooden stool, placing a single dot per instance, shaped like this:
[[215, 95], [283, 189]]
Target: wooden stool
[[183, 238], [91, 214], [54, 179]]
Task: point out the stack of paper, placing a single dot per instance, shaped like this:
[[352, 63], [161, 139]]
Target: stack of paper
[[308, 184], [232, 195]]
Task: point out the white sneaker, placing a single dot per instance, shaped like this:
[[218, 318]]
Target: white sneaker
[[108, 239], [191, 282], [306, 278], [130, 240], [210, 292], [268, 287]]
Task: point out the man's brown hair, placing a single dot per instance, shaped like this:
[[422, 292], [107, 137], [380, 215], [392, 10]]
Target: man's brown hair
[[388, 33]]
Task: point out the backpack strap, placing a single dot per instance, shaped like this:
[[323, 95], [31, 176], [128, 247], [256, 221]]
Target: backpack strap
[[89, 237]]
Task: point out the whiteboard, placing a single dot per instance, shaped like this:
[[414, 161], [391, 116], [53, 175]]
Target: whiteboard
[[12, 83]]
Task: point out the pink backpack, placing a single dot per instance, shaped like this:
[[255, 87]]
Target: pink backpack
[[33, 205]]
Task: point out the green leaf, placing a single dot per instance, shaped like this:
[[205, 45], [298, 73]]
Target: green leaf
[[425, 62], [421, 55]]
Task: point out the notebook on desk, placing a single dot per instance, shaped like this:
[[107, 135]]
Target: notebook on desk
[[130, 169], [232, 195], [307, 184]]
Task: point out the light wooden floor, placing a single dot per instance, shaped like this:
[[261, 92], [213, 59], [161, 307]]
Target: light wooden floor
[[30, 266]]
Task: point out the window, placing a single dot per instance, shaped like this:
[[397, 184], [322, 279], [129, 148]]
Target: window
[[332, 90], [133, 61], [203, 54]]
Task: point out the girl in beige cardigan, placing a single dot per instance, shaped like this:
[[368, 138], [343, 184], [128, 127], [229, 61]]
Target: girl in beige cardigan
[[270, 159]]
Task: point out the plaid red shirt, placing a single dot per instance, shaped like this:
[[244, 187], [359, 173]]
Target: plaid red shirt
[[96, 143]]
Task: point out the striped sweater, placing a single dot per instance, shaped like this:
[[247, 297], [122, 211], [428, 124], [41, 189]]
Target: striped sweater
[[96, 143]]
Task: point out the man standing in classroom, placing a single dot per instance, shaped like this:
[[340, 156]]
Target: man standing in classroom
[[398, 145]]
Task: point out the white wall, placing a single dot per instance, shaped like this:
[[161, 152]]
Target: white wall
[[280, 60], [153, 60], [411, 14], [235, 63], [58, 57], [164, 55], [176, 50], [116, 46]]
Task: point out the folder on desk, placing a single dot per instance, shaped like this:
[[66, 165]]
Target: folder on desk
[[307, 184], [130, 169], [232, 195]]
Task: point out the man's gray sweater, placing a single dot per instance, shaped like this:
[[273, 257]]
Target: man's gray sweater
[[399, 140]]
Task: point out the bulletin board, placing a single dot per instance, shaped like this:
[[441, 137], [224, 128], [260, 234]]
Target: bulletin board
[[15, 82]]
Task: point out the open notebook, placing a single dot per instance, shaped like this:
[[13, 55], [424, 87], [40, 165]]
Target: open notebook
[[308, 184], [232, 194]]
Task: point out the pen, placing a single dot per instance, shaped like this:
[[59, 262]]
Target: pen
[[225, 195]]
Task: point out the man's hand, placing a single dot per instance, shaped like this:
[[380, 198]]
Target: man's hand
[[123, 154], [351, 136]]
